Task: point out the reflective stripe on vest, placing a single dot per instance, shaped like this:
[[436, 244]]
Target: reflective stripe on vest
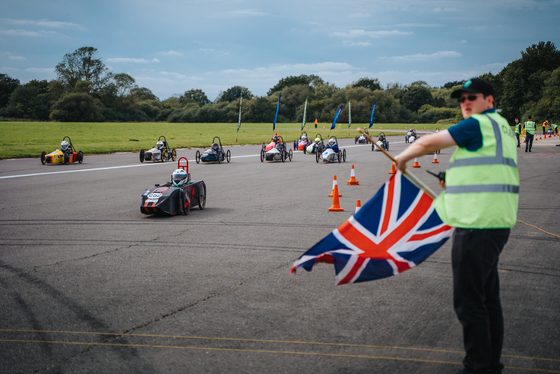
[[477, 188], [530, 127], [498, 159]]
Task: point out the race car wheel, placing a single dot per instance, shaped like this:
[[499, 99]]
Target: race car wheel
[[202, 196], [283, 156], [142, 155], [164, 155], [66, 159], [290, 154], [387, 146], [344, 155], [339, 156], [220, 157], [317, 155], [372, 147], [43, 161], [174, 154], [262, 155], [228, 156], [80, 157], [197, 157]]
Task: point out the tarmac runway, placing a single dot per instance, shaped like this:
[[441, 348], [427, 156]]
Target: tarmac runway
[[88, 284]]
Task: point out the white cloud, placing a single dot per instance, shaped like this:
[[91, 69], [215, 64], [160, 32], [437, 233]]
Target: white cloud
[[439, 10], [20, 32], [303, 68], [360, 15], [420, 25], [43, 22], [463, 41], [133, 60], [424, 57], [371, 34], [359, 44], [496, 66], [248, 12], [171, 53], [213, 50], [16, 57], [178, 76], [40, 70], [6, 68]]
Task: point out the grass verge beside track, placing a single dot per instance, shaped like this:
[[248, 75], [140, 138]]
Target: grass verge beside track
[[29, 139]]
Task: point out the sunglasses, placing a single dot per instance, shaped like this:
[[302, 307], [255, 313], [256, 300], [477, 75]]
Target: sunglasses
[[470, 98]]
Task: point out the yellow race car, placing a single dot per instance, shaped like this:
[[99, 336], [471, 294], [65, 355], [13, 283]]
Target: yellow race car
[[65, 155]]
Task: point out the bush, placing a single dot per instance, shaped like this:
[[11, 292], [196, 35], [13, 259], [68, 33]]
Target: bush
[[77, 107]]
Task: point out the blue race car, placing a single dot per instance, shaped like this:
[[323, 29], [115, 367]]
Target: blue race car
[[215, 153]]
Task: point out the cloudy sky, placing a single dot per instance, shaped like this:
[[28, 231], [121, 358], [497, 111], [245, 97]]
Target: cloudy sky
[[171, 46]]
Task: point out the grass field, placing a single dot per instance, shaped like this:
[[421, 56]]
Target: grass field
[[29, 139]]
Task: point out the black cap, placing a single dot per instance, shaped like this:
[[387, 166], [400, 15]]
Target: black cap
[[475, 85]]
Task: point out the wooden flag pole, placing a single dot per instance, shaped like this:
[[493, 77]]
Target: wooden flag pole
[[411, 177]]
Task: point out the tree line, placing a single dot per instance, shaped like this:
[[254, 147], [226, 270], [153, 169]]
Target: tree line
[[86, 91]]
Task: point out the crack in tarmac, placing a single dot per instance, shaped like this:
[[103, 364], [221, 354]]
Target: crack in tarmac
[[163, 316]]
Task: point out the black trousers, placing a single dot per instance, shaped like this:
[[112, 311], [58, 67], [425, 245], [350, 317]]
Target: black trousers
[[529, 141], [476, 296], [517, 136]]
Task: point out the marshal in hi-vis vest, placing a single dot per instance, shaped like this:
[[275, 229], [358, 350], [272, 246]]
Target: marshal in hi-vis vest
[[482, 187], [530, 127]]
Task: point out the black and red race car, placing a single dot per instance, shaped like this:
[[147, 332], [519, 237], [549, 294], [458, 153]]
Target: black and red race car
[[166, 199]]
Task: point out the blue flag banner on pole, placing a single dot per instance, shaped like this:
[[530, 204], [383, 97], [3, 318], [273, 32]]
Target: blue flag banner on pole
[[371, 119], [394, 231], [336, 117], [276, 116]]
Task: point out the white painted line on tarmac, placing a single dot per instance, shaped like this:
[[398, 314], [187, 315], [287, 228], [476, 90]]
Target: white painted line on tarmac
[[134, 166], [98, 169]]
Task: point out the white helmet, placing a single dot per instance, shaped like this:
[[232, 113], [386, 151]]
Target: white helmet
[[159, 145], [64, 145], [304, 136], [179, 176], [331, 141]]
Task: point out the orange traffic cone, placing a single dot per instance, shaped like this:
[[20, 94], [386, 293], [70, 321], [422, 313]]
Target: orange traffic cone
[[393, 171], [307, 127], [358, 206], [435, 161], [416, 164], [323, 127], [380, 127], [334, 184], [352, 181], [335, 203]]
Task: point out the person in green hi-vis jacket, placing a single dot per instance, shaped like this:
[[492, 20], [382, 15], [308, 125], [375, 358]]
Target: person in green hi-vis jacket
[[518, 129], [480, 200], [529, 134]]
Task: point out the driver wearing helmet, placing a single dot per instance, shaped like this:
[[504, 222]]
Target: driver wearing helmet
[[179, 178], [275, 139], [216, 147], [332, 144], [159, 146], [65, 147]]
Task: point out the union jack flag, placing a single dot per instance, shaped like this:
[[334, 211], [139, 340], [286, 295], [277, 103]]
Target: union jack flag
[[394, 231]]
